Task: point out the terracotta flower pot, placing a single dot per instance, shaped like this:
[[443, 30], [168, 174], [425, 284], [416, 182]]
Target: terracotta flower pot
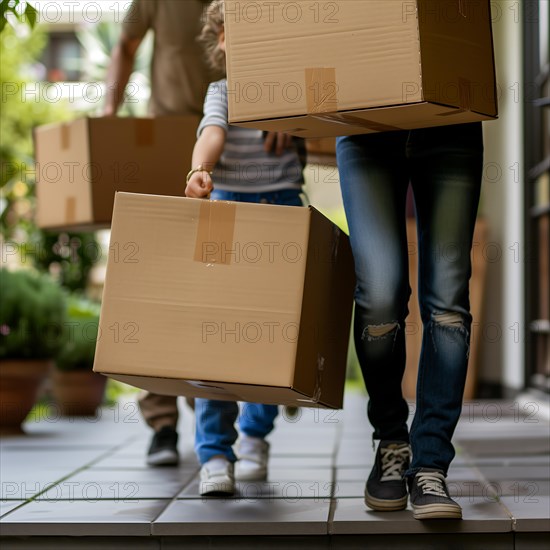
[[79, 392], [20, 380]]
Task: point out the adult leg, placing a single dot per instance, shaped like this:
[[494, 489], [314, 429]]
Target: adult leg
[[446, 166], [374, 180]]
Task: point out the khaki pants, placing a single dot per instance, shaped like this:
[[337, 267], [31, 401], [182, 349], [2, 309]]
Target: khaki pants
[[158, 410]]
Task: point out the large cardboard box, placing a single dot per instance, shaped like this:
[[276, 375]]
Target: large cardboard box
[[227, 300], [323, 68], [81, 164]]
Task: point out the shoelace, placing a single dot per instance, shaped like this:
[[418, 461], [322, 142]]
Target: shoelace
[[431, 483], [393, 460]]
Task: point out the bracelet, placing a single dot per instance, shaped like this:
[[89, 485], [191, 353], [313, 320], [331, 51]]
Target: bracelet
[[197, 169]]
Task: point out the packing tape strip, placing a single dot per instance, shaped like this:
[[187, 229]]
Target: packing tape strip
[[145, 132], [65, 136], [321, 90], [214, 242], [70, 210]]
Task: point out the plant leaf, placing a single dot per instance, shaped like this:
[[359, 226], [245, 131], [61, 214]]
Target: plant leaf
[[31, 14]]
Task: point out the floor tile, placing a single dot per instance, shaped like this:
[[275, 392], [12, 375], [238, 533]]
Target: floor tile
[[530, 514], [8, 505], [288, 473], [531, 541], [82, 518], [252, 491], [352, 517], [230, 517], [439, 541]]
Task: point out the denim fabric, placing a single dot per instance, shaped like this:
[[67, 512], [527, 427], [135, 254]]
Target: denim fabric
[[443, 166], [215, 429], [285, 197], [215, 420]]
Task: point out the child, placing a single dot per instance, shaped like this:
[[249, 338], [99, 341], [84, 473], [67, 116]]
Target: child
[[221, 157]]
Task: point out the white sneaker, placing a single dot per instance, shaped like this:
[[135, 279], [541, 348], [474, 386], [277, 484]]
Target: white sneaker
[[253, 453], [217, 477]]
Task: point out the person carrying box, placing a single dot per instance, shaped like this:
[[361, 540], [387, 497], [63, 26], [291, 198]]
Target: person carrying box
[[236, 164], [179, 79]]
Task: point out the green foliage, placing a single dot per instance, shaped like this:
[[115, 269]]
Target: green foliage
[[67, 256], [78, 350], [20, 113], [17, 10], [32, 315]]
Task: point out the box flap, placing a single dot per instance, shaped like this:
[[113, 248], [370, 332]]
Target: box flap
[[449, 27], [326, 313]]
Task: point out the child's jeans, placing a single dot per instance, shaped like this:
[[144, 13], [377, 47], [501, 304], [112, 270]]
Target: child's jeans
[[215, 420]]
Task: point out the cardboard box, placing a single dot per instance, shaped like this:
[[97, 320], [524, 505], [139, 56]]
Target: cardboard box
[[325, 68], [225, 300], [81, 164]]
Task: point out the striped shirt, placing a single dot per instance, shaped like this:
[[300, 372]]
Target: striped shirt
[[244, 166]]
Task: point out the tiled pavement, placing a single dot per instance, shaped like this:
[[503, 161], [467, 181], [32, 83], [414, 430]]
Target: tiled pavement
[[83, 484]]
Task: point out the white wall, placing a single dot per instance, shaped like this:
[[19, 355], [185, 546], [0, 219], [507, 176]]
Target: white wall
[[502, 204]]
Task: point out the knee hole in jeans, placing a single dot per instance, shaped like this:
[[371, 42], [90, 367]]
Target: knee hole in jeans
[[450, 319], [376, 332]]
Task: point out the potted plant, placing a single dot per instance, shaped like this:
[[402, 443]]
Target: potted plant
[[78, 390], [32, 325]]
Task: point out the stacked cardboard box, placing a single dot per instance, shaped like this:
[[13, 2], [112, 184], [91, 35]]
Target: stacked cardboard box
[[80, 165], [324, 68]]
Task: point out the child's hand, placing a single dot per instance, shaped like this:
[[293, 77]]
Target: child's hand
[[199, 186]]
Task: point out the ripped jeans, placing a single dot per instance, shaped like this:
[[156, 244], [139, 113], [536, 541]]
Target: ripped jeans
[[444, 167]]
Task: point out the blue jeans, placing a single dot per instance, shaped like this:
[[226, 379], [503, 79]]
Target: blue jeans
[[215, 420], [443, 166]]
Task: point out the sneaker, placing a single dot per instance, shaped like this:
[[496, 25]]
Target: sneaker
[[386, 489], [164, 448], [430, 497], [216, 478], [252, 453]]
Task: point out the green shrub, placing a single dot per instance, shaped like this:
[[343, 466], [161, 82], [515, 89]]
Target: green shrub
[[32, 315], [78, 350]]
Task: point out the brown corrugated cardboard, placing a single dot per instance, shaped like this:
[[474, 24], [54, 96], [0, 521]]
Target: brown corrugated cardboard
[[324, 68], [227, 300], [81, 164]]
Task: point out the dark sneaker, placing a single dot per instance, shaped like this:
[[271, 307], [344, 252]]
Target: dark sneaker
[[386, 489], [164, 448], [430, 497]]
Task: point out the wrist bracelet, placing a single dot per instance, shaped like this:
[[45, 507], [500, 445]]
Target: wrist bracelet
[[197, 169]]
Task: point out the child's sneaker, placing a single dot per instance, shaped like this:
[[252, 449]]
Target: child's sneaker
[[216, 478], [253, 453], [430, 497]]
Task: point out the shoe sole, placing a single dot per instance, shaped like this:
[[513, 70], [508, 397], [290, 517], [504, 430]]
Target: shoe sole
[[437, 511], [260, 475], [163, 458], [216, 489], [385, 505]]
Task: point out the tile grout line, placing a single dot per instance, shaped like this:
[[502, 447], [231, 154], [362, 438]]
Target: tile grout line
[[171, 501], [471, 463], [334, 467]]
